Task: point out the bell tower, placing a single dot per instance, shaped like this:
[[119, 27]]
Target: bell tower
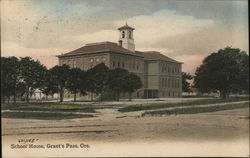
[[126, 39]]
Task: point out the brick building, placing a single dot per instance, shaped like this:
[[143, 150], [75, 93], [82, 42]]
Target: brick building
[[160, 75]]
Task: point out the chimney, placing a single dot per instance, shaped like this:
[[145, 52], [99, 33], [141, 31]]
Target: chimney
[[120, 43]]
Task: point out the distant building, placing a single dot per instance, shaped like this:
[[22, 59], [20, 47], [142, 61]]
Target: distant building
[[161, 76]]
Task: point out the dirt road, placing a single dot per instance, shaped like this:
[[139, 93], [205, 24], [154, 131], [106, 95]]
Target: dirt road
[[113, 127]]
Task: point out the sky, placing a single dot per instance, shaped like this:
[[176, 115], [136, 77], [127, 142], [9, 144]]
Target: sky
[[185, 30]]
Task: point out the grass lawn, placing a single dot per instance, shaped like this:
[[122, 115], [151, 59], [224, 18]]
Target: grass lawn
[[48, 106], [139, 107], [43, 116], [195, 110]]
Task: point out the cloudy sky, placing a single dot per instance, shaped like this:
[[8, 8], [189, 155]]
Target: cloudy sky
[[186, 30]]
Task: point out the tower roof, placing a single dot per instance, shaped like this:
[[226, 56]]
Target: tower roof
[[125, 27]]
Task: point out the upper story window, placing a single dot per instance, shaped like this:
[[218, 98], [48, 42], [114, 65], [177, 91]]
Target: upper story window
[[91, 60], [113, 63], [97, 60], [130, 34], [123, 34]]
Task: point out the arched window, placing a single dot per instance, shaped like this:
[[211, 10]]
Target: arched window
[[123, 34], [130, 34]]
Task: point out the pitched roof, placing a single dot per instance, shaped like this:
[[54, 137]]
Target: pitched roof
[[113, 47], [99, 47], [154, 55], [125, 27]]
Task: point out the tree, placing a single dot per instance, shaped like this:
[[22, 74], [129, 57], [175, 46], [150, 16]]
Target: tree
[[97, 79], [50, 86], [223, 71], [117, 81], [76, 82], [132, 83], [60, 75], [9, 77], [185, 84], [31, 75]]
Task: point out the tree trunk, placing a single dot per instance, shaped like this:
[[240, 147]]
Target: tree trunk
[[91, 96], [118, 96], [114, 96], [27, 94], [75, 97], [130, 96], [223, 94], [14, 99], [61, 94], [101, 95]]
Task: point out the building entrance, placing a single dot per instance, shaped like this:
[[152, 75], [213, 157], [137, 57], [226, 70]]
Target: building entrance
[[151, 93]]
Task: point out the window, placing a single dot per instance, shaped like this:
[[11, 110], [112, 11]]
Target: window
[[118, 64], [169, 83], [113, 63], [74, 63], [123, 64], [162, 68], [172, 83], [123, 34], [162, 83], [133, 66], [130, 34], [178, 84], [168, 69], [166, 80], [137, 67], [138, 94], [97, 60]]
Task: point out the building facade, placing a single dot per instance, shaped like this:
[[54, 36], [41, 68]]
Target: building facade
[[161, 76]]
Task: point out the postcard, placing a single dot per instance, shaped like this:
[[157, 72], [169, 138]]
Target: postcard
[[124, 78]]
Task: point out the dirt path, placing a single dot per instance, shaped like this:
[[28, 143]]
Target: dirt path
[[219, 133]]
